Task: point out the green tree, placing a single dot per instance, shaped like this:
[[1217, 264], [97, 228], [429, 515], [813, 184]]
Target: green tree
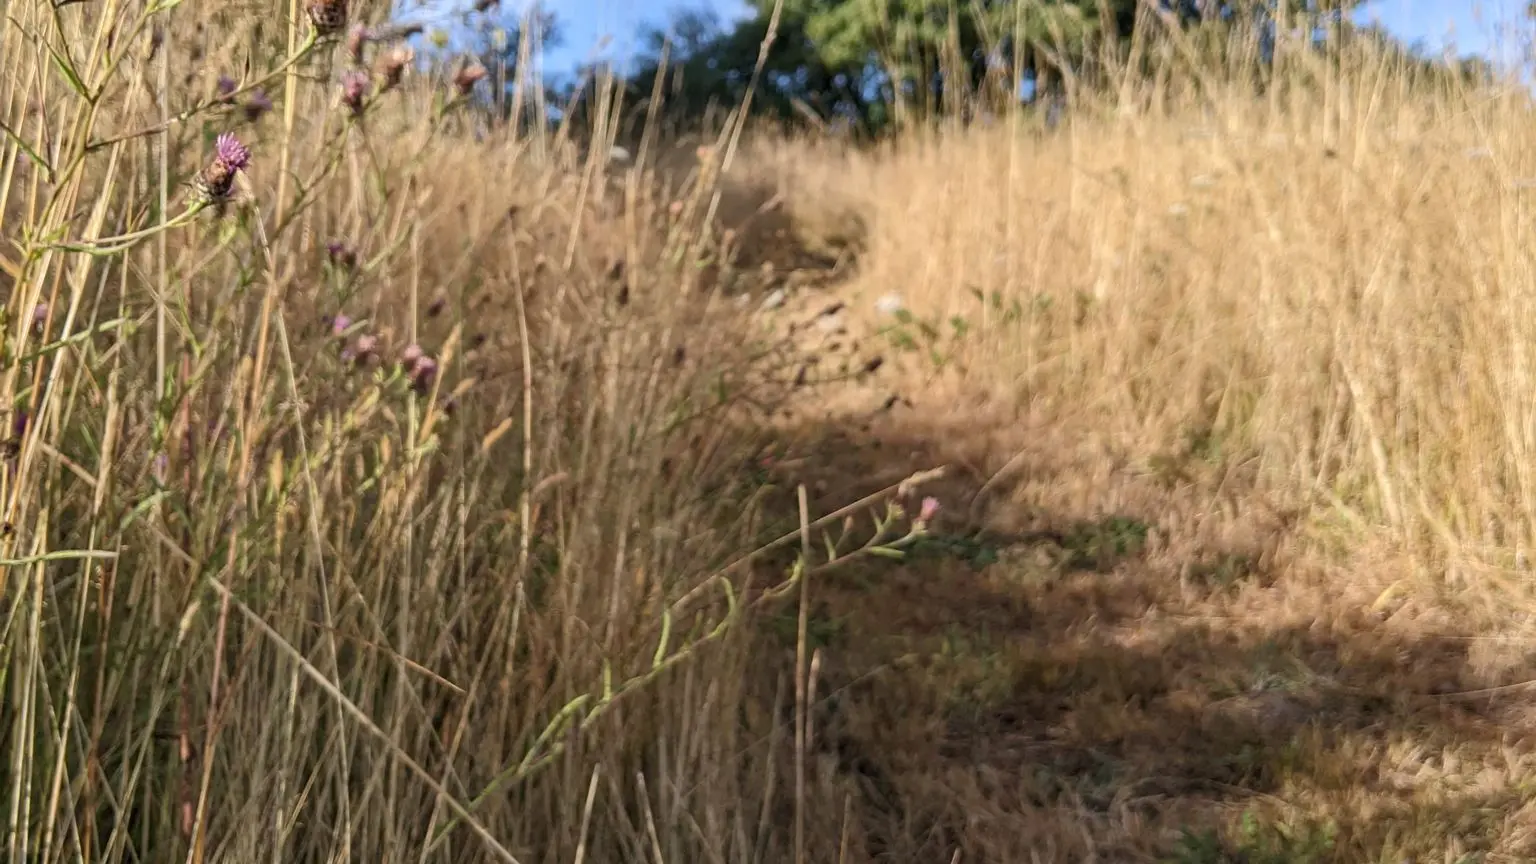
[[709, 67], [874, 60]]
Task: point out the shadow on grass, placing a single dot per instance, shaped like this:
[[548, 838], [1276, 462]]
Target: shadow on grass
[[1144, 682]]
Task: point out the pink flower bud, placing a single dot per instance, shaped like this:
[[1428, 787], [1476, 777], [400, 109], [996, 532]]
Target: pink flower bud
[[928, 510]]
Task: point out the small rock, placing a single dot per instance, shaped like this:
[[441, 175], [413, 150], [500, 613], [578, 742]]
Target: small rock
[[776, 299], [889, 304], [830, 323]]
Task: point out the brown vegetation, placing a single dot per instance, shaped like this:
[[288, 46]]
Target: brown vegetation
[[1231, 398]]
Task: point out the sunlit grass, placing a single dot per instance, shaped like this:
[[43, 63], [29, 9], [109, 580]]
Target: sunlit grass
[[397, 495]]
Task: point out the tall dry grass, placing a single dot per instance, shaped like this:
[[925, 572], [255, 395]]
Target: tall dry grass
[[1288, 322], [277, 590], [384, 511], [1329, 283]]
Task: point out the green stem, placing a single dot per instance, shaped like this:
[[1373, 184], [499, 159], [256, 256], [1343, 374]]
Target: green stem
[[122, 242]]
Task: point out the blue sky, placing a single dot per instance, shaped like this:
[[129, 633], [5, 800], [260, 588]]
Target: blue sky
[[1472, 26]]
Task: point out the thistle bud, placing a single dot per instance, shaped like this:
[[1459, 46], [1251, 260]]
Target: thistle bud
[[468, 76], [328, 16], [392, 65]]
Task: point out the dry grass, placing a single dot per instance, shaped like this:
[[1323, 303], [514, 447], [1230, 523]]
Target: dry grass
[[1234, 395], [1231, 395]]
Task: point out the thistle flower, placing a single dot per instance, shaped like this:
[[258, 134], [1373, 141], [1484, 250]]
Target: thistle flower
[[423, 374], [230, 152], [257, 105], [328, 16], [470, 74], [361, 351], [215, 183], [391, 67], [354, 88], [225, 87], [39, 317], [341, 254], [420, 368], [339, 324]]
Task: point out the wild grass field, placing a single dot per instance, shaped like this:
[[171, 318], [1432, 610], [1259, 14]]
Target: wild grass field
[[1154, 488]]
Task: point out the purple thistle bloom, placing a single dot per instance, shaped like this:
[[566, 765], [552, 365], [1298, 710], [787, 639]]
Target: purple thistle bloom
[[420, 368], [363, 349], [423, 374], [339, 324], [231, 153], [341, 254], [215, 183], [225, 87], [354, 87], [39, 316]]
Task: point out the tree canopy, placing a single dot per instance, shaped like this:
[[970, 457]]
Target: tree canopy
[[866, 63], [857, 60]]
